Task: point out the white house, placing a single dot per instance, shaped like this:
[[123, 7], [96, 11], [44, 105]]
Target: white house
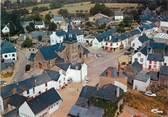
[[141, 81], [74, 72], [42, 105], [139, 42], [8, 52], [32, 87], [118, 15], [5, 30], [57, 37], [39, 24], [57, 19], [79, 35]]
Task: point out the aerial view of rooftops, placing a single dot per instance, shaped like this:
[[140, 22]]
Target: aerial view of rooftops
[[84, 58]]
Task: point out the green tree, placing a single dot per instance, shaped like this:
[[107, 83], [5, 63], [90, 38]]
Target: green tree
[[47, 18], [27, 43], [121, 28], [52, 26], [63, 12], [100, 8]]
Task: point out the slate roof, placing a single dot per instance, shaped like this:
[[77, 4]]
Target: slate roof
[[146, 26], [63, 66], [107, 92], [58, 18], [102, 21], [4, 66], [38, 22], [13, 113], [164, 70], [7, 47], [36, 34], [70, 36], [136, 67], [16, 100], [155, 57], [50, 52], [78, 31], [29, 83], [144, 50], [44, 100], [143, 38], [91, 111], [142, 76], [60, 33], [157, 45], [76, 66], [153, 75]]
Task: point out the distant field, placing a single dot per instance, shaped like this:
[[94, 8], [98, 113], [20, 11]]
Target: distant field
[[72, 8]]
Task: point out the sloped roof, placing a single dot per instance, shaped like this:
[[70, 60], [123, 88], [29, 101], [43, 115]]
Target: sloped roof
[[63, 66], [143, 38], [16, 100], [29, 83], [144, 50], [76, 66], [155, 57], [107, 92], [142, 76], [7, 47], [50, 52], [44, 100], [164, 70], [58, 18]]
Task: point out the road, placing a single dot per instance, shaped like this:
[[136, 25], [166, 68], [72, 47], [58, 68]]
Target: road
[[97, 66]]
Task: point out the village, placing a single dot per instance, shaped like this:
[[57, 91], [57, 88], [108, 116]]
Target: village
[[105, 61]]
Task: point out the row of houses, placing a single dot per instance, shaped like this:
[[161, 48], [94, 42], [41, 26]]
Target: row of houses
[[37, 86]]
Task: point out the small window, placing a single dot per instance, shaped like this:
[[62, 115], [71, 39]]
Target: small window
[[139, 54], [6, 56], [141, 59], [13, 54], [46, 84], [13, 59], [28, 92]]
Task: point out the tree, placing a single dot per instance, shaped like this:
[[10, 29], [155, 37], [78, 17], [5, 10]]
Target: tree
[[40, 38], [27, 43], [52, 26], [55, 5], [121, 28], [30, 27], [127, 21], [63, 12], [47, 18], [100, 8]]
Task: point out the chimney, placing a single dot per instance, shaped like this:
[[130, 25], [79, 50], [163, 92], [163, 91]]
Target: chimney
[[110, 37], [117, 92]]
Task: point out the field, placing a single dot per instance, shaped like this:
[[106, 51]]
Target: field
[[85, 6]]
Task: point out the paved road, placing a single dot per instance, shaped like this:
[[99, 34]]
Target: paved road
[[20, 65], [97, 66]]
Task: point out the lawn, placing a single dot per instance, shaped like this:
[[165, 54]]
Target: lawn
[[85, 6], [143, 103]]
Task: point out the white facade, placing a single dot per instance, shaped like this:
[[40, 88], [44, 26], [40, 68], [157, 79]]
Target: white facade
[[166, 60], [5, 30], [77, 75], [118, 18], [140, 85], [135, 44], [54, 39], [163, 24], [121, 85], [43, 87], [9, 56], [96, 43], [40, 26], [1, 105], [141, 58], [25, 110], [80, 38]]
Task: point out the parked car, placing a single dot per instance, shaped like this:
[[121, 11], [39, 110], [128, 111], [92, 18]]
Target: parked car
[[156, 110], [149, 93]]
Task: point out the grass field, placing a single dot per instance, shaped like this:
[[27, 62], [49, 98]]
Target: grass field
[[72, 8]]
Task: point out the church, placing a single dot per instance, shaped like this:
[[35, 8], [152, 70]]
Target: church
[[67, 52]]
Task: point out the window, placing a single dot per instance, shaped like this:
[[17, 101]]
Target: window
[[141, 59], [13, 59], [139, 55], [46, 84], [28, 92], [6, 56], [135, 59], [13, 54], [150, 62], [33, 90]]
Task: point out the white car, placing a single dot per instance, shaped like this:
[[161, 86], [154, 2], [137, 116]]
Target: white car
[[149, 93], [156, 110]]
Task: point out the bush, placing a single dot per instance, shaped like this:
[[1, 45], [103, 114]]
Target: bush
[[27, 43]]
